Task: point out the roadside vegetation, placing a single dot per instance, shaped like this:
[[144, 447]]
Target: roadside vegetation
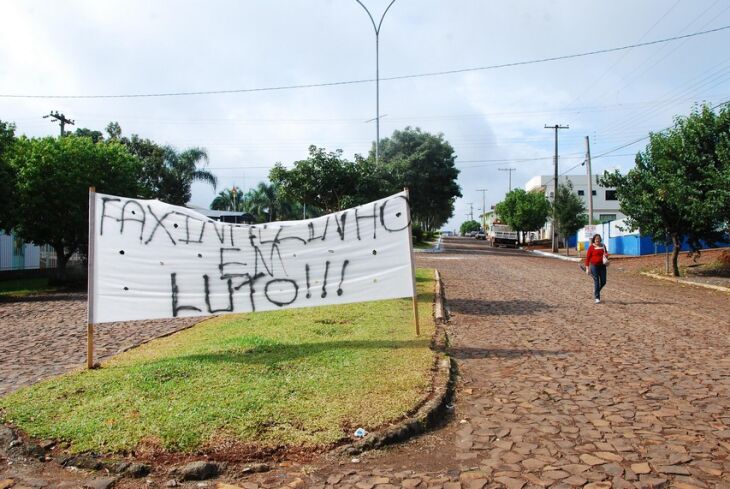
[[293, 378], [25, 286]]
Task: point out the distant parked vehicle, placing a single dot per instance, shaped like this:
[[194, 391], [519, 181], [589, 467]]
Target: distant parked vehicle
[[481, 235], [472, 234], [502, 235]]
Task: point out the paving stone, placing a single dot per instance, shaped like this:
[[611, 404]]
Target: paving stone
[[575, 480], [555, 474], [411, 483], [576, 468], [611, 457], [641, 468], [598, 485], [512, 457], [533, 464], [334, 479], [510, 482], [535, 481], [619, 483], [475, 483], [688, 483], [613, 469], [472, 475], [591, 460], [101, 483], [652, 483], [673, 470]]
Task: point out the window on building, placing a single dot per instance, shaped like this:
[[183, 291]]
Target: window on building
[[606, 217], [581, 192], [611, 195], [594, 193]]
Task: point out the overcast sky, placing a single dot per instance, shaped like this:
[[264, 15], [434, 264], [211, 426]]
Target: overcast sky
[[139, 47]]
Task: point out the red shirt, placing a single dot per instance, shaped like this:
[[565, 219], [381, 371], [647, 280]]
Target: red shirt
[[594, 256]]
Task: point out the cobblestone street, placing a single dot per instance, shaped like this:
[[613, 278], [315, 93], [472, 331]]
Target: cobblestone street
[[42, 336], [554, 390], [558, 390]]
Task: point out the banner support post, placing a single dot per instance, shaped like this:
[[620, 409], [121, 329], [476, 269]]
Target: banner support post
[[90, 280], [413, 263]]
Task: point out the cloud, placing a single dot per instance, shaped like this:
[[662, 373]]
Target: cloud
[[131, 46]]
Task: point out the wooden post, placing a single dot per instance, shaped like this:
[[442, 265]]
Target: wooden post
[[90, 280], [413, 264]]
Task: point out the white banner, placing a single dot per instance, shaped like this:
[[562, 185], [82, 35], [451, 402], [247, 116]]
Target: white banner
[[155, 260]]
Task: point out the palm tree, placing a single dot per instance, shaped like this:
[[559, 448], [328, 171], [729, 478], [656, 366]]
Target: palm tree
[[179, 171], [263, 199], [231, 199]]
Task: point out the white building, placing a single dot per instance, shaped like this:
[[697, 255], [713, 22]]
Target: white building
[[605, 204]]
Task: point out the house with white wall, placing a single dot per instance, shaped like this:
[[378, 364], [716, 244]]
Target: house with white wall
[[605, 204]]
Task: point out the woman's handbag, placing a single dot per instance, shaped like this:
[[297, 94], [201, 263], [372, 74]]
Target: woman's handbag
[[605, 259]]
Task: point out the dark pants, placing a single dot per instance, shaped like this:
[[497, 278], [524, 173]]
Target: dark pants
[[599, 279]]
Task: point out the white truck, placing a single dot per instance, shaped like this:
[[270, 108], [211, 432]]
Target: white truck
[[502, 235]]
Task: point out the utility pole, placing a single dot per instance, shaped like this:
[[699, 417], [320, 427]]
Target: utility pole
[[377, 74], [484, 207], [62, 121], [555, 182], [590, 181], [471, 211], [510, 170]]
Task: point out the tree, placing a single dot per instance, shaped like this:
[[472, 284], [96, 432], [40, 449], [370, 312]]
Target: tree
[[178, 172], [114, 131], [54, 176], [469, 226], [7, 176], [424, 163], [524, 211], [330, 182], [569, 212], [263, 200], [95, 136], [231, 199], [679, 188], [166, 173]]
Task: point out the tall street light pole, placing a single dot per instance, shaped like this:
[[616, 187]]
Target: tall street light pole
[[377, 75]]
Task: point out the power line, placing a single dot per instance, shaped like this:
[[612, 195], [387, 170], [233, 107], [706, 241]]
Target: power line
[[401, 118], [369, 80], [648, 135], [594, 84]]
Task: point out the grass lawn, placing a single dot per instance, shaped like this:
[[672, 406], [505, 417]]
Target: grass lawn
[[299, 378], [23, 287]]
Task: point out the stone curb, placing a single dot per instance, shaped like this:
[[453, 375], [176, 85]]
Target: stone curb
[[553, 255], [427, 416], [687, 282], [434, 410], [439, 307]]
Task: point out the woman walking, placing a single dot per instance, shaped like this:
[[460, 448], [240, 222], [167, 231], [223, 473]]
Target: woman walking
[[596, 261]]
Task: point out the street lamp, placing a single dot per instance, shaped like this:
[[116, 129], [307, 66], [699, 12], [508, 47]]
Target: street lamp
[[377, 74]]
